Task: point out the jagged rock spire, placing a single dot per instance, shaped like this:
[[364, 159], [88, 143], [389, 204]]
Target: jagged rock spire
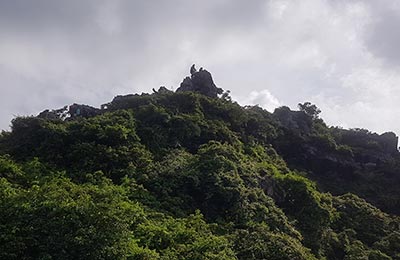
[[201, 82], [193, 69]]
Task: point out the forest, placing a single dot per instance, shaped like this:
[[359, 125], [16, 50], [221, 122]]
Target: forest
[[193, 175]]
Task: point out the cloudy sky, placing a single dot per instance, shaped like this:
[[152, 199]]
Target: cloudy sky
[[342, 55]]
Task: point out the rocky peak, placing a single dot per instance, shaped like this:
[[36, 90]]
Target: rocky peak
[[201, 82]]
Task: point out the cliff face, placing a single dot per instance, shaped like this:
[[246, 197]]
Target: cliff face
[[296, 121], [389, 142], [341, 160]]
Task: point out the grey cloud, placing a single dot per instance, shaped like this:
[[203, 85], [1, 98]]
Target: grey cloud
[[384, 38], [271, 52], [42, 15]]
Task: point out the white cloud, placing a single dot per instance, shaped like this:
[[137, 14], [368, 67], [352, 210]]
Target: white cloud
[[262, 98], [373, 102]]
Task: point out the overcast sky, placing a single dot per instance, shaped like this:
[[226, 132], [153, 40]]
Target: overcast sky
[[342, 55]]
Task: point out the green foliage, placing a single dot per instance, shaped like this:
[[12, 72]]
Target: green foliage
[[258, 242], [106, 142], [184, 176], [61, 220], [190, 239], [390, 245], [369, 223], [358, 251], [312, 210]]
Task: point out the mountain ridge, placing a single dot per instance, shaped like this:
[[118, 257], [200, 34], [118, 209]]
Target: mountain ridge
[[193, 175]]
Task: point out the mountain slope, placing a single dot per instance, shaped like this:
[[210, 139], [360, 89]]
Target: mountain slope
[[191, 175]]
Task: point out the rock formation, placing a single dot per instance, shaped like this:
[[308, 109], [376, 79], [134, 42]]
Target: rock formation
[[297, 121], [200, 82], [61, 113], [389, 141], [70, 112], [77, 110]]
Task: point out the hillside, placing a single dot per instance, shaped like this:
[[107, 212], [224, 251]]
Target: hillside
[[193, 175]]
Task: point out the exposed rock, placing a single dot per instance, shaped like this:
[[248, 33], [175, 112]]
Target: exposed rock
[[297, 121], [69, 112], [200, 82], [186, 85], [193, 70], [163, 89], [77, 110], [272, 189], [375, 148], [61, 113], [121, 98], [389, 142]]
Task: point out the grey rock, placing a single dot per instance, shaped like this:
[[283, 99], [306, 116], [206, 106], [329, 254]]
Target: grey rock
[[200, 82]]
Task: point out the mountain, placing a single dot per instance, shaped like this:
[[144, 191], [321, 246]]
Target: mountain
[[193, 175]]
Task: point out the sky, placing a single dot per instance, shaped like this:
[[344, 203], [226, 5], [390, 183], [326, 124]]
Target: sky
[[342, 55]]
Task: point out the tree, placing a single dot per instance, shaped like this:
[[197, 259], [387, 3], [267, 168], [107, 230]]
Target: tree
[[310, 109]]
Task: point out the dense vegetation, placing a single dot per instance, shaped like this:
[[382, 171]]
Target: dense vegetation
[[186, 176]]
